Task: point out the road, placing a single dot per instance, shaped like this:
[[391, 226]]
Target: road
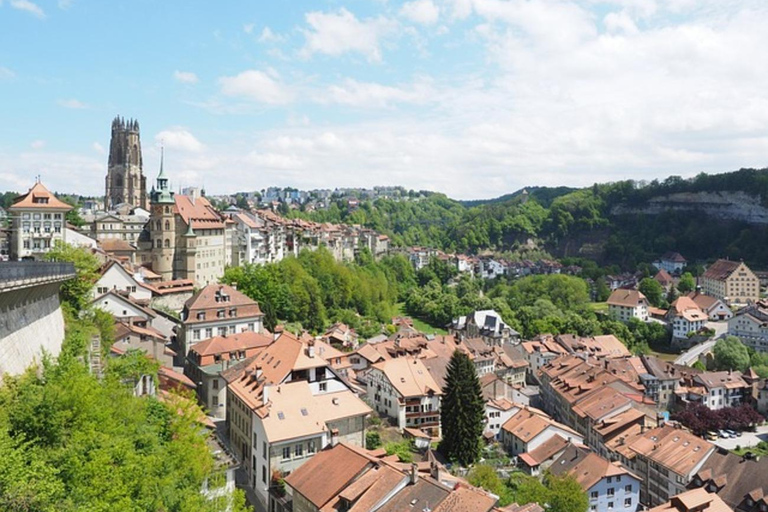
[[747, 439]]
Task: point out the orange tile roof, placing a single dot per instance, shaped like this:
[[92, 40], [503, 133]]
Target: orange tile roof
[[409, 376], [695, 498], [39, 197], [674, 448], [327, 473], [626, 298], [206, 300], [465, 499], [233, 342], [199, 213]]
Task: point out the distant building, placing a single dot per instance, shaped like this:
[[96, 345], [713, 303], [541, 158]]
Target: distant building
[[486, 324], [672, 262], [730, 281], [528, 429], [38, 222], [715, 308], [750, 325]]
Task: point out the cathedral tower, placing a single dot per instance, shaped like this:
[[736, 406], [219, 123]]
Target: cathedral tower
[[125, 182], [162, 226]]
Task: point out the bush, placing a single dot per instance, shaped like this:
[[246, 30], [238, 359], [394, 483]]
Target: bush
[[372, 440], [401, 449]]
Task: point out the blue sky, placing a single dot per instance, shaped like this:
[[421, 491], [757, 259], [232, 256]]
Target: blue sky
[[474, 98]]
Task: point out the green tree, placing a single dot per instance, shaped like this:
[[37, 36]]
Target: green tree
[[486, 477], [462, 411], [687, 283], [76, 292], [565, 494], [730, 354], [652, 290]]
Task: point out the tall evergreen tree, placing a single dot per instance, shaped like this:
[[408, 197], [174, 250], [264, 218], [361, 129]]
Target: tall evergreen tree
[[462, 411]]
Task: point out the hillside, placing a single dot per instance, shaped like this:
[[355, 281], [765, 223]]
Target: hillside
[[622, 223]]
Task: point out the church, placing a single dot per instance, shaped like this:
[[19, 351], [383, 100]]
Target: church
[[185, 237]]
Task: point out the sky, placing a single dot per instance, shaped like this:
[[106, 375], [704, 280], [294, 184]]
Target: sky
[[473, 98]]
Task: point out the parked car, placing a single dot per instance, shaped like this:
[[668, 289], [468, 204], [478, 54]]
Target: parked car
[[730, 433], [712, 436], [724, 434]]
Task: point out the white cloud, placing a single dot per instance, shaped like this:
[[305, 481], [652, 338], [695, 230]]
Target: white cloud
[[248, 28], [369, 94], [37, 144], [268, 36], [6, 74], [98, 148], [72, 103], [258, 86], [185, 77], [421, 11], [179, 138], [65, 4], [337, 33], [27, 6]]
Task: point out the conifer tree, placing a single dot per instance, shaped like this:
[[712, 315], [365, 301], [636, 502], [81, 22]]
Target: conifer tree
[[462, 411]]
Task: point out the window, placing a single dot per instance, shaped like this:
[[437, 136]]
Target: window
[[209, 332], [286, 452], [215, 383], [323, 386], [610, 491], [196, 334], [311, 446], [222, 331], [610, 505], [264, 449], [593, 495], [215, 400], [264, 474], [627, 502], [299, 450], [627, 488]]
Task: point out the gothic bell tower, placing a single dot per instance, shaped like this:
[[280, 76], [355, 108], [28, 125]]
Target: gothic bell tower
[[125, 182]]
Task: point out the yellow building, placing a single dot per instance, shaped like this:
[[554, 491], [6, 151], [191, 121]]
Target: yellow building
[[730, 281]]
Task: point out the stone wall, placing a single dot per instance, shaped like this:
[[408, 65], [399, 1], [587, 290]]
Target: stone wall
[[733, 206], [30, 322]]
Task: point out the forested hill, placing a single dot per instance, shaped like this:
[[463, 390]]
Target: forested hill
[[623, 223]]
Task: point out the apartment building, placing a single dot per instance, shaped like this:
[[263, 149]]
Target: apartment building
[[750, 325], [404, 389], [284, 405], [624, 305], [529, 428], [37, 223], [218, 310], [610, 486]]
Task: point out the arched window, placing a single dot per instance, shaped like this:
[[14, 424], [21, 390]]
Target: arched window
[[167, 209], [158, 224], [135, 155], [158, 243], [167, 244], [167, 225], [119, 181]]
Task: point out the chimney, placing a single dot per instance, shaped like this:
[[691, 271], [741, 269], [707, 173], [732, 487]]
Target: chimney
[[234, 286], [334, 437], [259, 371], [311, 348], [265, 394], [414, 475]]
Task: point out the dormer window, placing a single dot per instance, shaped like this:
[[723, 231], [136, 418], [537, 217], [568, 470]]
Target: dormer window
[[220, 313], [201, 315], [233, 312]]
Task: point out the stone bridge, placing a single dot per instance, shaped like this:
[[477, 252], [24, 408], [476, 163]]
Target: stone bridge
[[30, 314]]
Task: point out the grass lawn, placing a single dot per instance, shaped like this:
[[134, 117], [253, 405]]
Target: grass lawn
[[599, 307], [665, 356], [419, 324]]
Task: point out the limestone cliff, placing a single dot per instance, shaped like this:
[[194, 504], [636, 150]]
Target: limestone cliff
[[731, 206]]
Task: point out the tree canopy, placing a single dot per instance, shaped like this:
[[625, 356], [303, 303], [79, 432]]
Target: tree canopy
[[730, 354]]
